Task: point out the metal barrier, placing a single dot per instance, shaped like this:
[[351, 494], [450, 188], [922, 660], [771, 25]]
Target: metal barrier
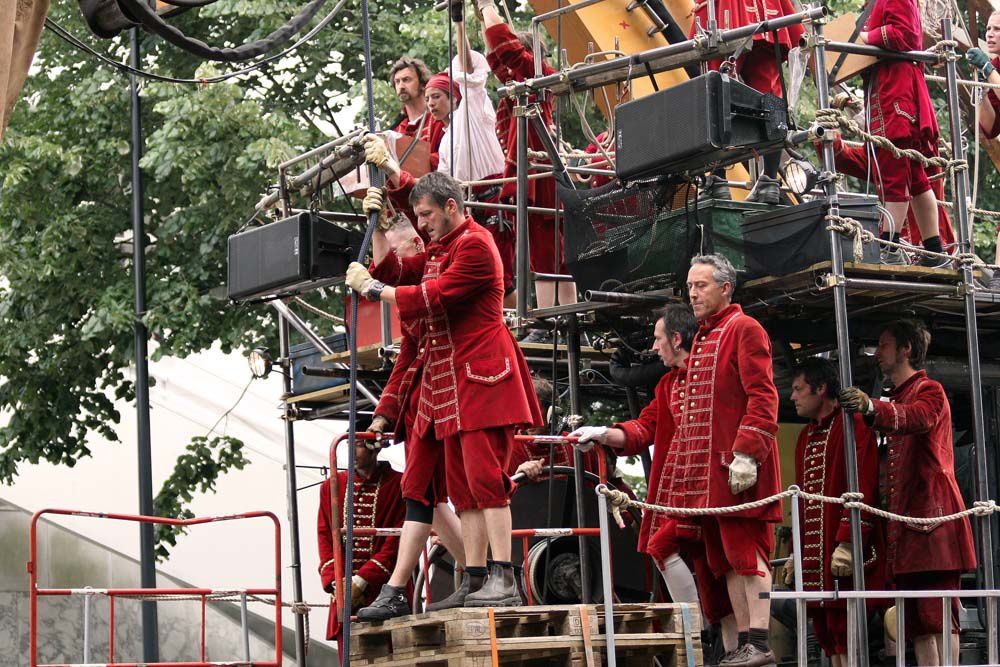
[[204, 595]]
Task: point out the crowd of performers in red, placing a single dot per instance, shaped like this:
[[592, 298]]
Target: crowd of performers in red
[[460, 387]]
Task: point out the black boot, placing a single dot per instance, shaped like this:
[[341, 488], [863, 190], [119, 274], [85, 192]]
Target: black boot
[[766, 190], [390, 603], [470, 584], [715, 187], [499, 590]]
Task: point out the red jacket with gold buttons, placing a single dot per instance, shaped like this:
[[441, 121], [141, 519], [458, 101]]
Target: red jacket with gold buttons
[[920, 480], [469, 372], [820, 469], [898, 100], [723, 402]]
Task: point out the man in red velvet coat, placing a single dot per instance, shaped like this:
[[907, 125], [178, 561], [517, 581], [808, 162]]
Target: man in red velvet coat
[[511, 59], [473, 390], [672, 543], [919, 482], [378, 503], [900, 109], [408, 77], [759, 68], [824, 541]]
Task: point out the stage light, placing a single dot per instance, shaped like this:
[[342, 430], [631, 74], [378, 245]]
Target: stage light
[[260, 362], [799, 175]]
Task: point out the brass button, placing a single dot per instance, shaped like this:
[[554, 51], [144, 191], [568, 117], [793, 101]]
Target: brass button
[[691, 418], [421, 351], [431, 327], [682, 383], [682, 394], [695, 376], [702, 338], [693, 391], [697, 363], [691, 404], [434, 341]]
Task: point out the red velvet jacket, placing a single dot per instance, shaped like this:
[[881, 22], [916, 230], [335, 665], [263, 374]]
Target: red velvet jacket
[[378, 503], [854, 161], [511, 61], [920, 480], [900, 105], [723, 402], [991, 94], [472, 374], [731, 14], [820, 469], [432, 133]]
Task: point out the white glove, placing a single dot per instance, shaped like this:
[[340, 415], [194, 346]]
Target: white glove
[[588, 435], [377, 152], [842, 561], [358, 278], [374, 202], [742, 473], [788, 571]]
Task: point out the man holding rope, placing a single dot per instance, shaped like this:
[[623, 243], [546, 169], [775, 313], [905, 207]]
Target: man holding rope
[[473, 390], [664, 537], [824, 539], [986, 63], [919, 482]]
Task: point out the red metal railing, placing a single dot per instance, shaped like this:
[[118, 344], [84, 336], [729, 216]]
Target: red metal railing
[[204, 594]]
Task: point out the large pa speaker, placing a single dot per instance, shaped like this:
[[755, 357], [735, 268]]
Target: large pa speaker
[[289, 257], [707, 122]]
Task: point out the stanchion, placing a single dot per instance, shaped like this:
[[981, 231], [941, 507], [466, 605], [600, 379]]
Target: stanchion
[[800, 604], [609, 609], [860, 618]]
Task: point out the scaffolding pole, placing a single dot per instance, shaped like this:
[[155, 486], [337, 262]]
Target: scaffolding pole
[[960, 197], [860, 618]]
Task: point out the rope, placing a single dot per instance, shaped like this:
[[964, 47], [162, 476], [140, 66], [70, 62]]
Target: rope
[[852, 228], [316, 311], [859, 235], [618, 500], [833, 119]]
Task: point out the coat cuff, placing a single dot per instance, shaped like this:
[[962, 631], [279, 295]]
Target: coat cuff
[[636, 438], [756, 440], [499, 35], [375, 573], [389, 270], [419, 301]]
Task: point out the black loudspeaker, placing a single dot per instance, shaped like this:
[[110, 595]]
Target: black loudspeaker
[[289, 257], [707, 122]]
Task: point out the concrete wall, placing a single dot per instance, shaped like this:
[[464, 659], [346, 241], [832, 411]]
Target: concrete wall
[[67, 559]]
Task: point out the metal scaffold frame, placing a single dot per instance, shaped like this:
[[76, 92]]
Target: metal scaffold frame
[[709, 44]]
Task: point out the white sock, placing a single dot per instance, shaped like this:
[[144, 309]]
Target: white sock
[[680, 581]]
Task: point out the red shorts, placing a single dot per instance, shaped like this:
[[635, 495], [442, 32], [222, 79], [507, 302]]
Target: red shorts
[[759, 70], [902, 179], [475, 465], [670, 538], [830, 627], [542, 245], [924, 615], [424, 474], [733, 544]]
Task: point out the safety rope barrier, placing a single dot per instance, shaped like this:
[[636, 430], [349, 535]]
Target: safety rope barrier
[[833, 119], [618, 500], [853, 229]]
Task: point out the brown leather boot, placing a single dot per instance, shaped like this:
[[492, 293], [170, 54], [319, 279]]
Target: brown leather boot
[[470, 584]]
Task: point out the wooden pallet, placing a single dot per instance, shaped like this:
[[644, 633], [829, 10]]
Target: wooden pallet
[[543, 635]]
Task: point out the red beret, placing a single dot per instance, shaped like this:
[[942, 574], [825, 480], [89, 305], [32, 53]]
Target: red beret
[[443, 82]]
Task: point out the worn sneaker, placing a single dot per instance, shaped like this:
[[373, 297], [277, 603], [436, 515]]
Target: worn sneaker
[[894, 257], [748, 655], [766, 190], [390, 603], [538, 337], [499, 590], [469, 584], [715, 187]]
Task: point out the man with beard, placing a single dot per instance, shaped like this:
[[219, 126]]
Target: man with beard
[[919, 481], [409, 76], [824, 540], [473, 390]]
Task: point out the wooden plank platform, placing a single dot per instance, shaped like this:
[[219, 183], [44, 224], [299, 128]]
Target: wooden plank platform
[[805, 277], [328, 395], [367, 356], [542, 635]]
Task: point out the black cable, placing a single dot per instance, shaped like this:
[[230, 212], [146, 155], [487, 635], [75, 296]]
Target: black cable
[[76, 42], [154, 23], [189, 3]]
